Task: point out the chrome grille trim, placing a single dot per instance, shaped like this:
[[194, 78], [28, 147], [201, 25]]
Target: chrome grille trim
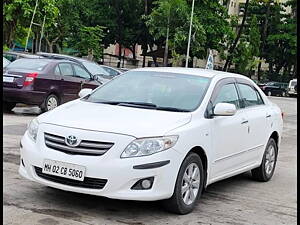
[[86, 147]]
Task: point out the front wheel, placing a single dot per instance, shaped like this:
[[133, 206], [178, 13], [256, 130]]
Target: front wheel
[[188, 187], [51, 102], [266, 169]]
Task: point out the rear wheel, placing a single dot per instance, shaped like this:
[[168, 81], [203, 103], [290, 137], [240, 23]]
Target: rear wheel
[[8, 106], [51, 102], [188, 187], [266, 170]]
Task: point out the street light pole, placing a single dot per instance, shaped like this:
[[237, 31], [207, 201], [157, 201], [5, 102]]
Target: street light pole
[[189, 41]]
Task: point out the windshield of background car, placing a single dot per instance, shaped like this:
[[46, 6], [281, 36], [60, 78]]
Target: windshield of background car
[[93, 68], [5, 62], [180, 91], [31, 64]]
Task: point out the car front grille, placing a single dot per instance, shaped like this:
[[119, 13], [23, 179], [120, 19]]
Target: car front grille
[[86, 147], [88, 182]]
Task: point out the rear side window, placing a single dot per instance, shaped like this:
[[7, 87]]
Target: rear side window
[[250, 96], [57, 71], [227, 94], [66, 69], [30, 64], [79, 71]]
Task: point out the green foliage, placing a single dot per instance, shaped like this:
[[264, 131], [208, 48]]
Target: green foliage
[[89, 41]]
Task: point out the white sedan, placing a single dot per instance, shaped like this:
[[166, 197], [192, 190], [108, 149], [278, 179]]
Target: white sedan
[[155, 134]]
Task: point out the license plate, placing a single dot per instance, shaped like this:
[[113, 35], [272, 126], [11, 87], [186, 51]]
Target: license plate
[[62, 169], [8, 79]]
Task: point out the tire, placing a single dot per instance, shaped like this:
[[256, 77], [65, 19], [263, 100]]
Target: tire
[[269, 93], [50, 103], [283, 94], [8, 106], [176, 203], [263, 173]]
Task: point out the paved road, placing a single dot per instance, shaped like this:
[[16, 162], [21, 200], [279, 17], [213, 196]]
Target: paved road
[[237, 200]]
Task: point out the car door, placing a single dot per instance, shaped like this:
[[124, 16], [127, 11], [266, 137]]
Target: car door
[[229, 133], [69, 85], [84, 78], [259, 120]]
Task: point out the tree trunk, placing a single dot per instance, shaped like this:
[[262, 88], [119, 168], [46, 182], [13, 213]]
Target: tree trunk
[[232, 48], [264, 36], [120, 56], [167, 42]]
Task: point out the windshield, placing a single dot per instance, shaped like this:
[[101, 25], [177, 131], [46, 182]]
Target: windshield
[[31, 64], [93, 68], [153, 90]]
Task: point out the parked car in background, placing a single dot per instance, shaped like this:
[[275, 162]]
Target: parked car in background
[[155, 134], [274, 88], [94, 68], [5, 62], [44, 82], [12, 56], [292, 88]]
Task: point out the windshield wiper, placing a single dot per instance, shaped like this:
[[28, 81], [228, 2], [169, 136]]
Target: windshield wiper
[[143, 105], [172, 109]]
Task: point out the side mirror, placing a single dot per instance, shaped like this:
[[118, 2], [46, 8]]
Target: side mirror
[[224, 109], [84, 92]]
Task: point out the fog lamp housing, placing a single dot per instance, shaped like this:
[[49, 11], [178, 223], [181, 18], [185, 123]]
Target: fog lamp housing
[[143, 184]]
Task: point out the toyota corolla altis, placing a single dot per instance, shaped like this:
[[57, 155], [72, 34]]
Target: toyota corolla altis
[[155, 134]]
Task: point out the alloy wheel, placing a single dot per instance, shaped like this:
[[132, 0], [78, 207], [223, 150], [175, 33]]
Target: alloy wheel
[[270, 159], [51, 103], [190, 184]]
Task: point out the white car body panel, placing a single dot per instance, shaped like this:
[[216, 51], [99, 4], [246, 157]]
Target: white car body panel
[[229, 146]]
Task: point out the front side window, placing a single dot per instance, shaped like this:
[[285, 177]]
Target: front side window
[[250, 97], [227, 94], [66, 69], [158, 90], [79, 71], [111, 72]]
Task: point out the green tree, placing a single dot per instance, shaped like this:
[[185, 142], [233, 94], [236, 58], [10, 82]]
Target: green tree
[[89, 39]]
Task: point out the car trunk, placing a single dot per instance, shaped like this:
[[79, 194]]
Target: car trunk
[[15, 78]]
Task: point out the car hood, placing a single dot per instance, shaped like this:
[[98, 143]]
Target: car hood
[[131, 121]]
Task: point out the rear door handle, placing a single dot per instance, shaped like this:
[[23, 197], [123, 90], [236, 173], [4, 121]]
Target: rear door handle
[[268, 116]]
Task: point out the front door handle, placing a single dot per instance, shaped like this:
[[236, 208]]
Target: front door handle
[[245, 121], [268, 116]]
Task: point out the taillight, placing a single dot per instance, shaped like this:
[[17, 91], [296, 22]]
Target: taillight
[[30, 78], [263, 88]]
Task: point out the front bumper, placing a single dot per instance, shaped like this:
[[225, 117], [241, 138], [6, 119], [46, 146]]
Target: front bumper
[[120, 174]]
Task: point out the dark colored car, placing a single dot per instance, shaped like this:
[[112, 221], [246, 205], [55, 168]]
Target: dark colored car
[[274, 88], [12, 56], [44, 82], [105, 71]]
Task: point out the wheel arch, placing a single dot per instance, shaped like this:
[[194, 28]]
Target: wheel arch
[[203, 156], [275, 136]]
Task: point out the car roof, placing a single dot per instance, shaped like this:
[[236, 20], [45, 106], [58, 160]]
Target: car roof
[[47, 60], [23, 54], [192, 71], [62, 56]]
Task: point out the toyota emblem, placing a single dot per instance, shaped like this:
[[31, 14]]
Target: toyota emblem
[[72, 141]]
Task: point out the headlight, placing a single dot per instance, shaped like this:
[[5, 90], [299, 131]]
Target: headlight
[[33, 129], [148, 146]]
